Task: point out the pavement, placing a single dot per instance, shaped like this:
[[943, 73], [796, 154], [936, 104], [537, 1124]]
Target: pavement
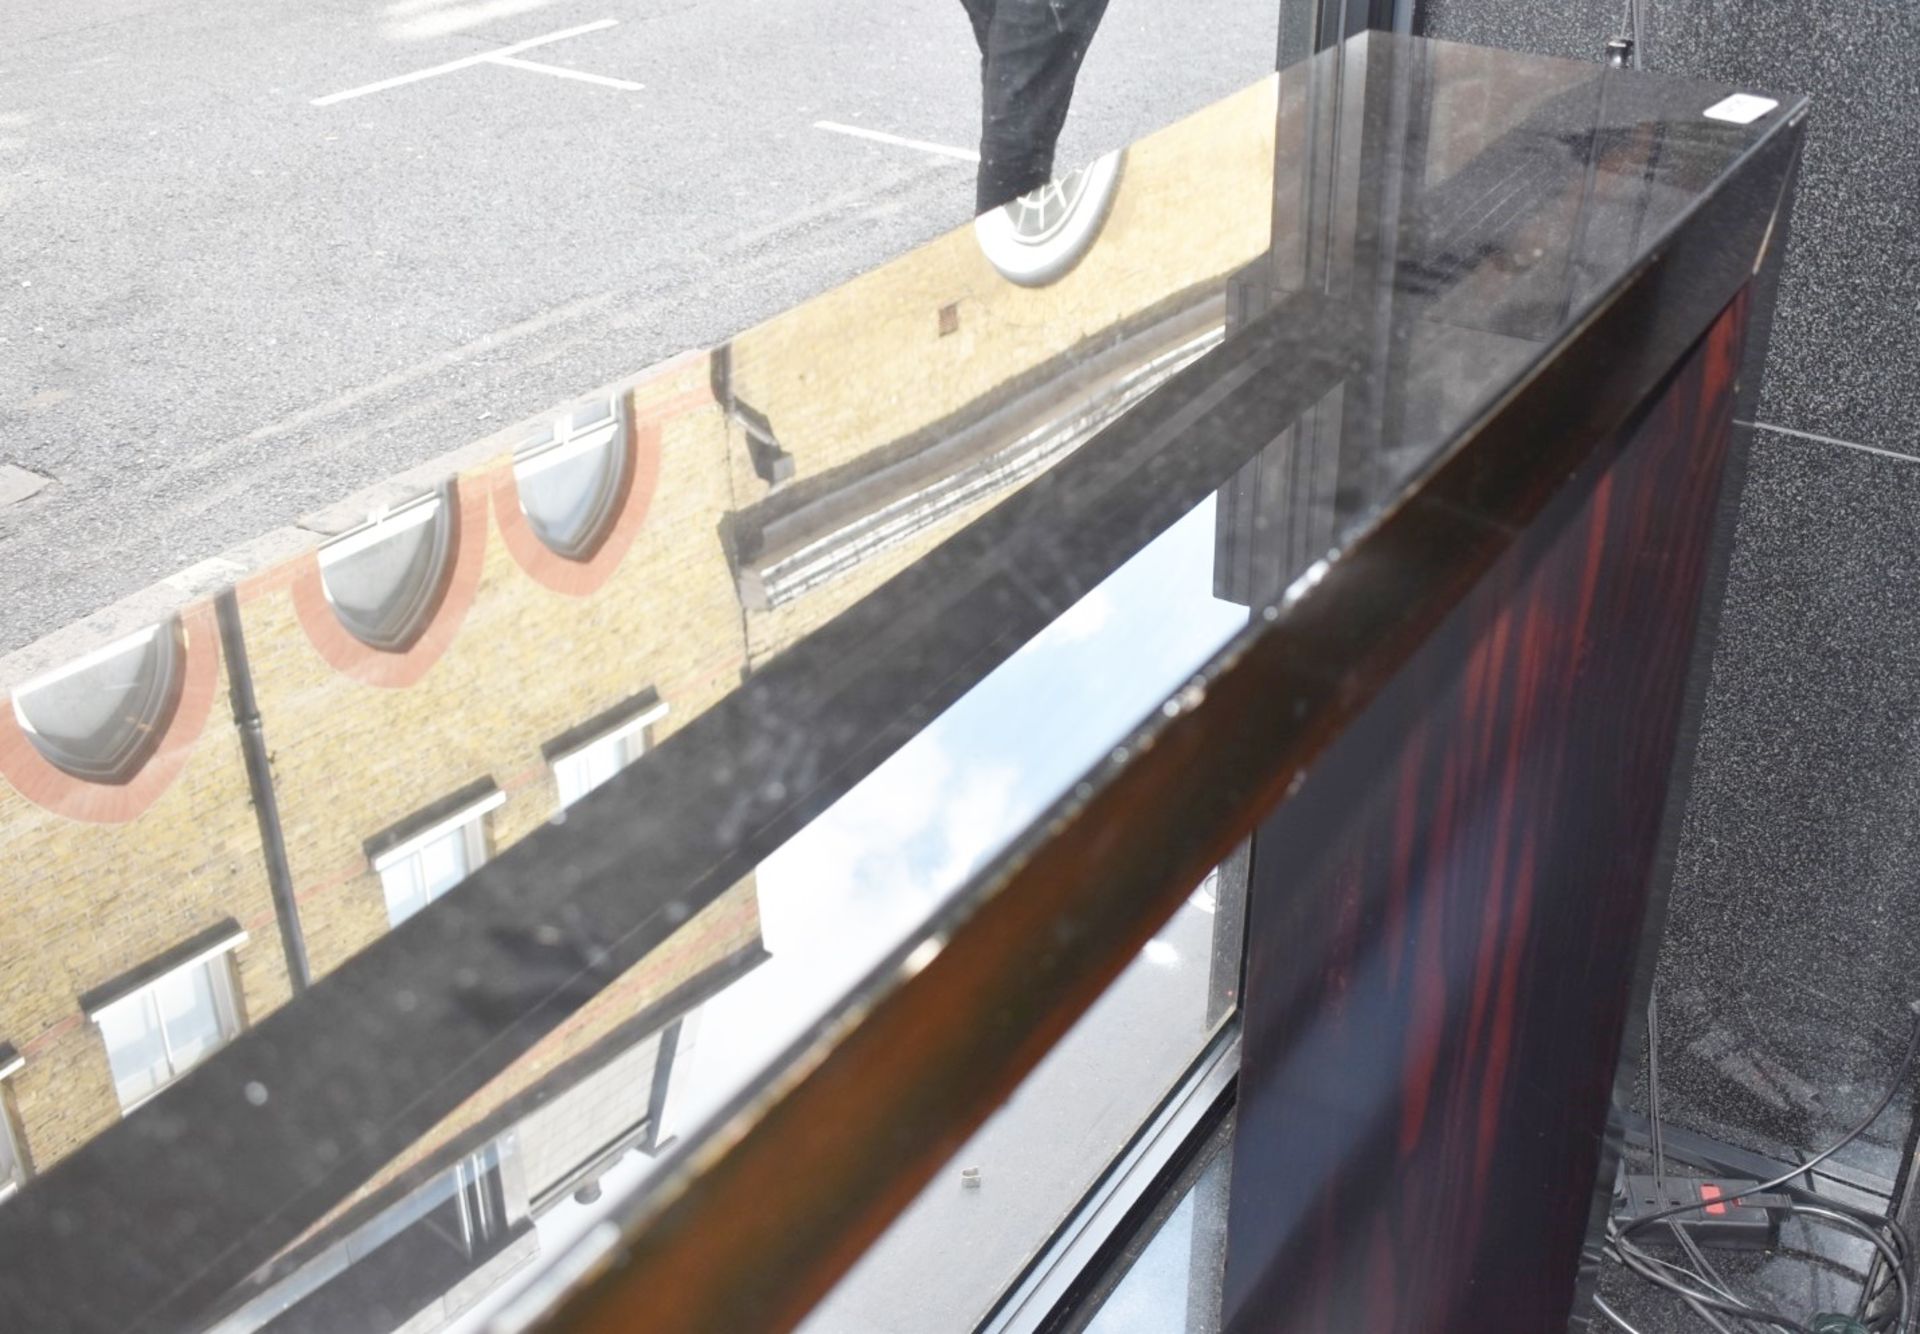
[[256, 255]]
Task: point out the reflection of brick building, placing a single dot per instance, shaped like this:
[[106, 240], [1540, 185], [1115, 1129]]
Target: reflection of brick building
[[371, 749], [92, 898], [513, 660], [203, 822]]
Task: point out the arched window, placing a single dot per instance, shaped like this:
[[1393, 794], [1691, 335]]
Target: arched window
[[571, 478], [1039, 237], [385, 579], [100, 718]]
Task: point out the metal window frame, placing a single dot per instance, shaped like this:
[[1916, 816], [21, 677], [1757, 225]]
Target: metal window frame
[[566, 441], [1082, 1247], [1308, 26]]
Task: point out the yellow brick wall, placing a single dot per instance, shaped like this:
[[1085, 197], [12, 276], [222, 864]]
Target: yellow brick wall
[[87, 903], [351, 760], [852, 371], [864, 365], [727, 926], [770, 631]]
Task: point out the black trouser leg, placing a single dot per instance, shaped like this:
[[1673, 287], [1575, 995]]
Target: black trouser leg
[[1031, 56], [980, 14]]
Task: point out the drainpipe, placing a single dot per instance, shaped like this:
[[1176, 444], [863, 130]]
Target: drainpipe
[[266, 806]]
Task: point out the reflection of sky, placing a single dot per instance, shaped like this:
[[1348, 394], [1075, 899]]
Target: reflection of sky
[[1154, 1293], [1175, 1284], [858, 880]]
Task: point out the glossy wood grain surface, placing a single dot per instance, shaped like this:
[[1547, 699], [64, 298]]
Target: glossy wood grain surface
[[1446, 918]]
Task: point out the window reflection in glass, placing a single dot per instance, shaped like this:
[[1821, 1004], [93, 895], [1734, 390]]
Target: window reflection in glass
[[100, 717], [384, 580], [1173, 1272], [865, 875], [430, 870], [589, 767], [189, 1015], [160, 1032], [10, 1172], [570, 485], [135, 1049]]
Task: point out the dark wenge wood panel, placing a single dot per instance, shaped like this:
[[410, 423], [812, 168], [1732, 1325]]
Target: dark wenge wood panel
[[1447, 916]]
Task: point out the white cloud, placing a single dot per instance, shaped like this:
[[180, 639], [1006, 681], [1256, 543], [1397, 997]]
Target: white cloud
[[977, 821], [1081, 622]]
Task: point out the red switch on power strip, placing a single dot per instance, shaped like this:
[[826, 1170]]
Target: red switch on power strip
[[1724, 1213]]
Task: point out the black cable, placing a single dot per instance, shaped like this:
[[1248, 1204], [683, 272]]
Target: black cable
[[1886, 1265], [1630, 30], [1882, 1272], [1719, 1295], [1882, 1280], [1872, 1218], [1653, 1082], [1880, 1244], [1642, 1264], [1719, 1290], [1703, 1267], [1600, 1305], [1806, 1168]]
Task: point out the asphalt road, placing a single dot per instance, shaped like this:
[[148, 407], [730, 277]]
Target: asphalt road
[[223, 307]]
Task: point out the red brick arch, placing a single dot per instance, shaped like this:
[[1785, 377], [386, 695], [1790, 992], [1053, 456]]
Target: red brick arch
[[351, 656], [566, 574], [47, 785]]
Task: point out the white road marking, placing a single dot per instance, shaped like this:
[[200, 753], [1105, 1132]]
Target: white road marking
[[439, 18], [879, 137], [465, 62], [561, 71], [1833, 440]]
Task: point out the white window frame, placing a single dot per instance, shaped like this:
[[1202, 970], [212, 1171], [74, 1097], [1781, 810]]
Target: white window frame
[[379, 526], [568, 441], [630, 735], [13, 1171], [471, 819], [106, 653], [226, 1003], [155, 693]]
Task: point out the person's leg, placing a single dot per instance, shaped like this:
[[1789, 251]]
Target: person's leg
[[980, 14], [1033, 55]]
